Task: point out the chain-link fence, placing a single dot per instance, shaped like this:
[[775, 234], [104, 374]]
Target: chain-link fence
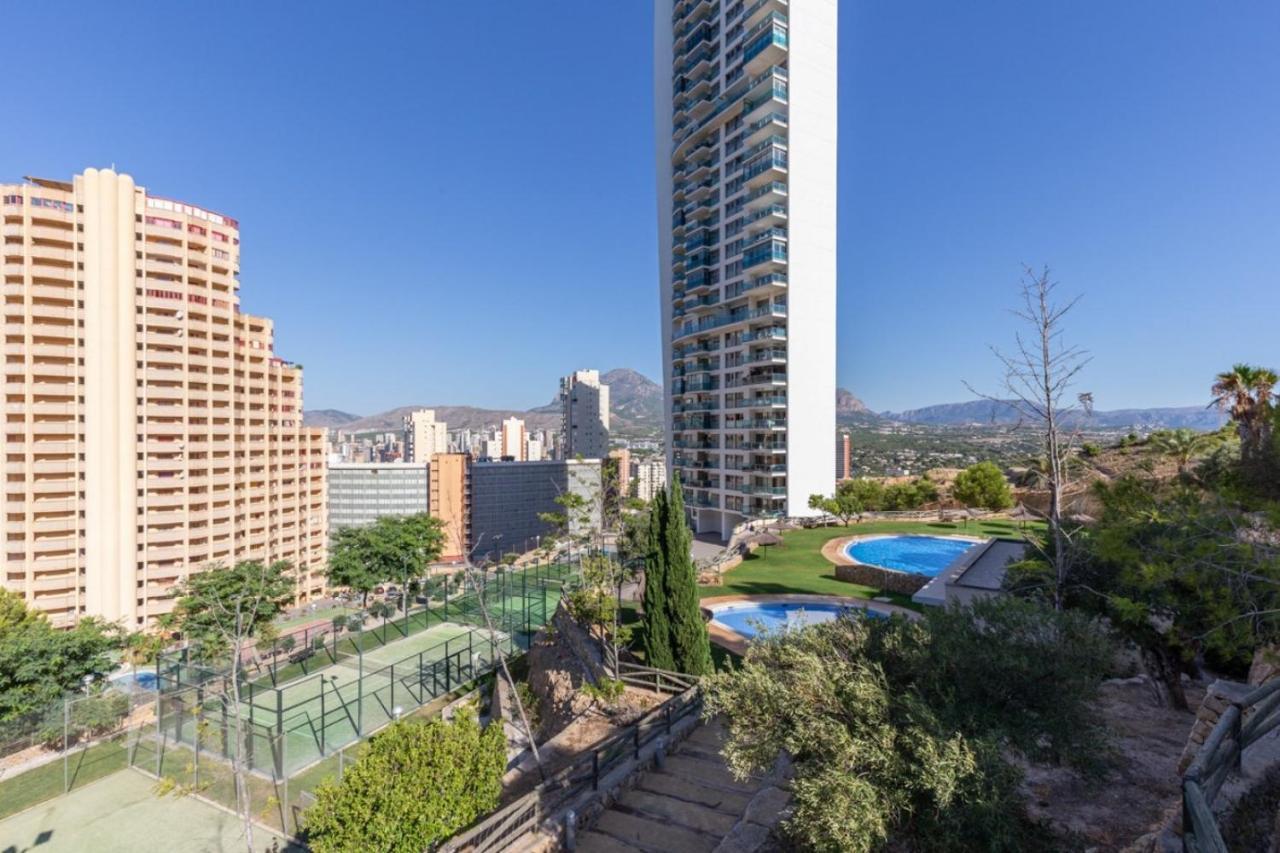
[[78, 740]]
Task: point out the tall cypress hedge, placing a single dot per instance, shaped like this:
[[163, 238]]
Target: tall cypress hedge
[[657, 630], [690, 645]]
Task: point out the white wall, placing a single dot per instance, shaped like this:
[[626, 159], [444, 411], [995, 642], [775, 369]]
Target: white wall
[[662, 104], [811, 297]]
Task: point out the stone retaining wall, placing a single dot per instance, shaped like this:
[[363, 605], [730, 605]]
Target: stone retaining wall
[[906, 583]]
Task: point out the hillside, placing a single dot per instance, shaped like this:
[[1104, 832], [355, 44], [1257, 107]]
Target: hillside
[[990, 412], [330, 418], [635, 408]]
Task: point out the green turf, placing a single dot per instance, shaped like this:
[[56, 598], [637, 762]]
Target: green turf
[[47, 781], [797, 565], [122, 814]]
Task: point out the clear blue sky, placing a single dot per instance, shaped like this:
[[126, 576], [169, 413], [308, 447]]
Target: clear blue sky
[[454, 202]]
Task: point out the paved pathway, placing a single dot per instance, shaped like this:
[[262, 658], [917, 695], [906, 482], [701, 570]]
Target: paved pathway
[[693, 804]]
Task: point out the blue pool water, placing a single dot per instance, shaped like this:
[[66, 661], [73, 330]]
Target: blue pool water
[[923, 555], [142, 680], [749, 619]]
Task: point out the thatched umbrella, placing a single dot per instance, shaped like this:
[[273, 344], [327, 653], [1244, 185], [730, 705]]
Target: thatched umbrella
[[1022, 515], [766, 538]]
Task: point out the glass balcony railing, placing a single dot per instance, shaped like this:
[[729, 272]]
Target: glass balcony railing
[[772, 251]]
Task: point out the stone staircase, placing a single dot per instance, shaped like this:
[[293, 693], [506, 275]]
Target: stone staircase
[[692, 804]]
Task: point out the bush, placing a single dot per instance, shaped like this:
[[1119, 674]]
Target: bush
[[606, 691], [983, 485], [415, 785], [897, 728]]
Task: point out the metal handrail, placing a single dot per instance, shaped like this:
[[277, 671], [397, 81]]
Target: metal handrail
[[512, 822], [1220, 756]]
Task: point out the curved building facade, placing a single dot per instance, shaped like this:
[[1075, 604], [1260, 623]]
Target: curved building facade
[[150, 428]]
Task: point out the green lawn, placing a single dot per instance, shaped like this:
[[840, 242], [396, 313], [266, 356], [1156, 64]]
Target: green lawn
[[797, 565]]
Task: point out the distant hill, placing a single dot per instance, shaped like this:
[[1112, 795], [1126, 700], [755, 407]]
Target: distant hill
[[328, 418], [635, 406], [991, 412]]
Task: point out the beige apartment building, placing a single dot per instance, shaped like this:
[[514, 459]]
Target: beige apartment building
[[150, 429]]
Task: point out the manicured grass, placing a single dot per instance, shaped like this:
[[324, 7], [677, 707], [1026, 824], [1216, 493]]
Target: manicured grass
[[46, 781], [797, 565]]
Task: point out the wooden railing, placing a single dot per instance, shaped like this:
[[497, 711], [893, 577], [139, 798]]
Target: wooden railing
[[1219, 757], [514, 821]]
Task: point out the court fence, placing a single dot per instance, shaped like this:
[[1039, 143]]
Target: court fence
[[299, 724], [354, 681]]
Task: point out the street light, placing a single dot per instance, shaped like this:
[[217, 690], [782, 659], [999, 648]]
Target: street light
[[396, 712]]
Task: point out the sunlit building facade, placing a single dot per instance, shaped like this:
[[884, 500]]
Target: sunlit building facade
[[745, 95], [150, 428]]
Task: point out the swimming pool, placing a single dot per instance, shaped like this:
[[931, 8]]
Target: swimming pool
[[143, 679], [922, 555], [749, 618]]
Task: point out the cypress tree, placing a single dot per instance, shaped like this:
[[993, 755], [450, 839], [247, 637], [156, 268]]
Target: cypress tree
[[657, 630], [690, 645]]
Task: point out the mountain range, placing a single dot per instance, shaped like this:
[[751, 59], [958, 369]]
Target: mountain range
[[635, 408]]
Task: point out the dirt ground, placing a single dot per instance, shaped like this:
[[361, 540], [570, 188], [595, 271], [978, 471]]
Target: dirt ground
[[1143, 782]]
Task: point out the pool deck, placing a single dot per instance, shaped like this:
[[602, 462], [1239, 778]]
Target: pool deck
[[736, 643], [834, 549]]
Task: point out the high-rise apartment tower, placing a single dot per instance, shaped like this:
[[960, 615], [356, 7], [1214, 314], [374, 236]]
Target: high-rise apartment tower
[[584, 416], [746, 146], [424, 436], [150, 428]]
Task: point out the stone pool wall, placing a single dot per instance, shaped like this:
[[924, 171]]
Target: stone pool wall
[[906, 583]]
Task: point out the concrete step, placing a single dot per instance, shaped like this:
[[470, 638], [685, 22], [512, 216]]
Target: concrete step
[[653, 836], [695, 816], [597, 842], [706, 772], [729, 802]]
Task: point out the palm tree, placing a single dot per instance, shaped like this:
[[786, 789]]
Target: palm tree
[[1181, 444], [1245, 393]]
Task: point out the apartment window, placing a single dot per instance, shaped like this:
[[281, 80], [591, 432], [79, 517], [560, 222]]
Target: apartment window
[[13, 199]]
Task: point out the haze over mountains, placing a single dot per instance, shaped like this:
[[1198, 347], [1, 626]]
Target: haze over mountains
[[635, 404]]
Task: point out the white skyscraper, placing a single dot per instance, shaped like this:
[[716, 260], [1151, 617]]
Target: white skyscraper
[[584, 415], [746, 146], [513, 440], [424, 436]]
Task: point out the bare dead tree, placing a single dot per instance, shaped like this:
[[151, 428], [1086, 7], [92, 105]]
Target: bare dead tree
[[1039, 376], [479, 585]]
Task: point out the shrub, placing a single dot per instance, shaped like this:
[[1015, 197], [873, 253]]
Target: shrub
[[415, 785], [982, 485], [897, 728], [606, 691]]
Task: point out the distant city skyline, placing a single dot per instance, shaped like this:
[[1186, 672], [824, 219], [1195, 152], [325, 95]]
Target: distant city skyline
[[1131, 147]]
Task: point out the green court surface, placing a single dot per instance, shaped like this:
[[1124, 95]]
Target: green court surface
[[122, 814], [335, 706]]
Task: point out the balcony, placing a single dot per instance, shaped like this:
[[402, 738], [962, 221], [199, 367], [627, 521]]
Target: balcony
[[767, 48]]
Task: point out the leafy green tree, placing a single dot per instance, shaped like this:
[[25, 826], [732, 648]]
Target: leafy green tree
[[224, 610], [983, 485], [690, 645], [851, 499], [908, 496], [879, 763], [1183, 575], [417, 784], [39, 664], [353, 561], [657, 628]]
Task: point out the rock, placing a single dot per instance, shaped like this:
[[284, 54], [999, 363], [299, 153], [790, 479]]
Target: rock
[[1265, 666]]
